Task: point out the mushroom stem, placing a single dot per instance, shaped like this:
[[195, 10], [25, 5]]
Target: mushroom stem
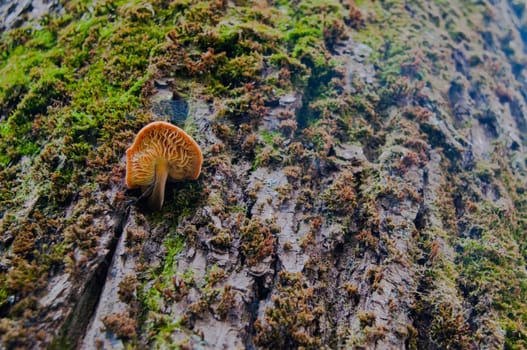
[[155, 201]]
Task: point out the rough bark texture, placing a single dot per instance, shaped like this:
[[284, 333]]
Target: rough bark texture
[[363, 184]]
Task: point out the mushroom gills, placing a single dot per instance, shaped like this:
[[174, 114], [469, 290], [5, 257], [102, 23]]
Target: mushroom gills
[[157, 189]]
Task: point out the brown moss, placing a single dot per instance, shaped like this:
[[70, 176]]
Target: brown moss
[[353, 291], [216, 274], [355, 17], [253, 191], [14, 336], [227, 301], [308, 240], [181, 288], [293, 319], [26, 278], [223, 131], [407, 161], [375, 274], [284, 193], [374, 334], [340, 197], [292, 172], [127, 289], [420, 114], [288, 127], [334, 33], [197, 309], [24, 242], [257, 240], [295, 152], [217, 148], [316, 223], [222, 240], [120, 324], [249, 143], [366, 319], [305, 199], [287, 246], [135, 236], [367, 239]]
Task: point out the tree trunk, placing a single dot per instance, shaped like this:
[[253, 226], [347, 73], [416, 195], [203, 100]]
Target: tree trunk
[[363, 183]]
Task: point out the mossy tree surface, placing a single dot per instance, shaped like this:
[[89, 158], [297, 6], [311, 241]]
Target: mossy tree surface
[[426, 215]]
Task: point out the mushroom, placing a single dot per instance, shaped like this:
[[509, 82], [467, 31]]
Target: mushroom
[[161, 151]]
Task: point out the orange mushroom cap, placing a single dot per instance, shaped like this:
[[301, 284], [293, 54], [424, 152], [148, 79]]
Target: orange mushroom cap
[[161, 151]]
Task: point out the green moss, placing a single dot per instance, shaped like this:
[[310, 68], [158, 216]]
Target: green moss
[[269, 150], [3, 296], [163, 328], [269, 137], [488, 263], [174, 246], [153, 297]]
